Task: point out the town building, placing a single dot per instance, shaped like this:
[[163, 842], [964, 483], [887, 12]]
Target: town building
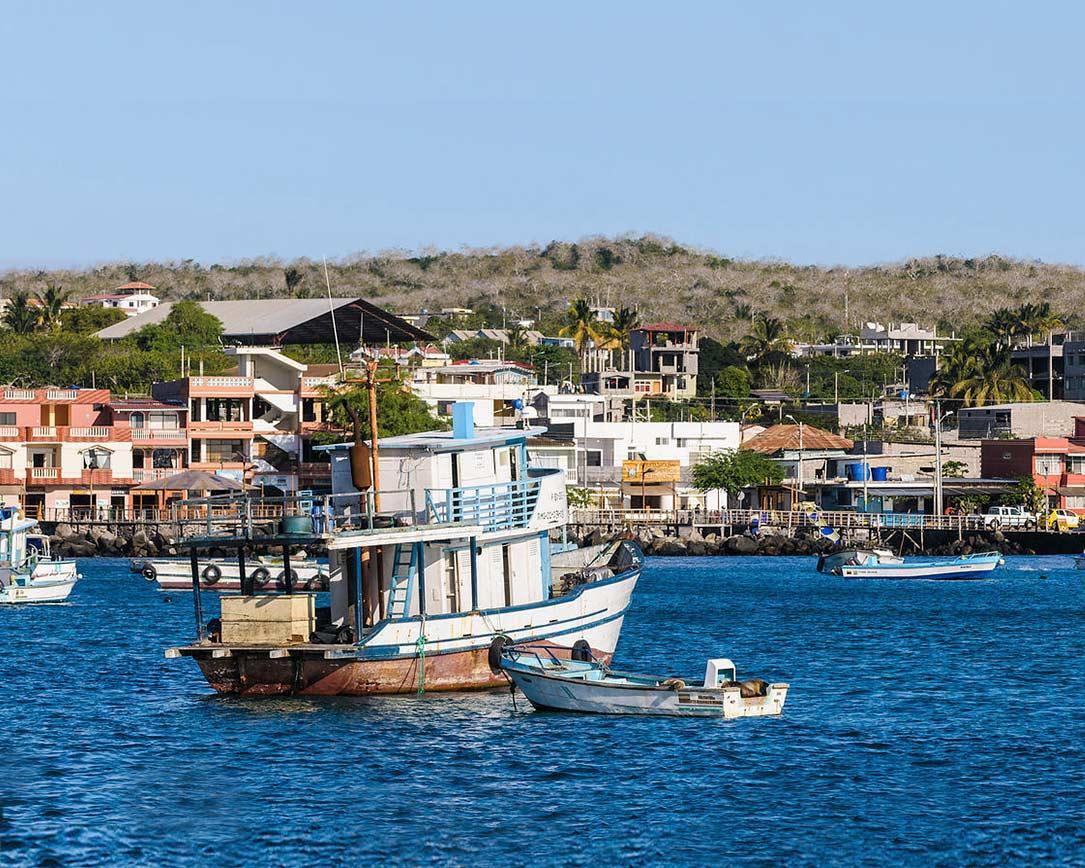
[[131, 298], [1018, 420], [907, 339], [497, 390], [1056, 464], [807, 454], [635, 464], [1045, 364], [665, 360]]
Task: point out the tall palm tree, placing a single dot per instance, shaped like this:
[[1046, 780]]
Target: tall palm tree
[[21, 316], [582, 326], [980, 373], [1005, 325], [766, 338], [620, 333], [52, 303]]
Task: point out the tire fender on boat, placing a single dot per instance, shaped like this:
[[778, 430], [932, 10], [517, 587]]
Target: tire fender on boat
[[211, 574], [314, 583], [497, 646], [149, 572], [260, 577]]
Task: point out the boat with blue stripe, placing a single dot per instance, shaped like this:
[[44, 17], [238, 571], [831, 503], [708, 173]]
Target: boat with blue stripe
[[880, 564]]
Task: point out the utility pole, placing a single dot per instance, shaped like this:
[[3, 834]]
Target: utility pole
[[937, 457]]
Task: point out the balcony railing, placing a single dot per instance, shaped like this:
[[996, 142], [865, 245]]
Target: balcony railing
[[61, 395], [10, 432], [43, 432], [493, 507], [44, 472], [222, 382], [96, 432], [20, 394], [159, 435]]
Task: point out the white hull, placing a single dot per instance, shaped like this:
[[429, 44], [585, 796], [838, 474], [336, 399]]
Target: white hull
[[51, 582], [977, 570]]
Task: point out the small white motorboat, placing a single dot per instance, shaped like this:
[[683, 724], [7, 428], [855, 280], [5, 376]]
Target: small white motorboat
[[877, 564], [220, 574], [556, 683], [28, 573]]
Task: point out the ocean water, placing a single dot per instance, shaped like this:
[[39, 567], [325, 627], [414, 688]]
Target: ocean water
[[927, 723]]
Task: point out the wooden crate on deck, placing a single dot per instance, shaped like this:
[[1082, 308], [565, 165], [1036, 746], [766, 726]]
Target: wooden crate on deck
[[268, 620]]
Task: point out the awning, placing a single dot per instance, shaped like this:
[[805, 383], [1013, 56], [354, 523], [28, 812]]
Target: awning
[[637, 488], [1071, 490]]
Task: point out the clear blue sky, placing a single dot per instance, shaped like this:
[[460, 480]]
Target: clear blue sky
[[814, 132]]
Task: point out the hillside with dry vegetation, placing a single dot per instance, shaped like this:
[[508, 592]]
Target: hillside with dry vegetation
[[662, 279]]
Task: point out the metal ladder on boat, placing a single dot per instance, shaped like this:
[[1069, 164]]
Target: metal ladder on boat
[[404, 570]]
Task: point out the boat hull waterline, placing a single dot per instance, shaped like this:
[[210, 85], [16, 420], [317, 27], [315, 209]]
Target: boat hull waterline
[[456, 652]]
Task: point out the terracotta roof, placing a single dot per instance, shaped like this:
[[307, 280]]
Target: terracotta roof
[[780, 437], [135, 284], [664, 327]]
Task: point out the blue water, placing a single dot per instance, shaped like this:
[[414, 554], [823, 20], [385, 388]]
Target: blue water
[[928, 722]]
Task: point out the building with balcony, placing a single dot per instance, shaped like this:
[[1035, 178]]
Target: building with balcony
[[60, 448], [1056, 464], [493, 388], [665, 360], [1021, 419], [906, 339], [130, 298], [255, 424]]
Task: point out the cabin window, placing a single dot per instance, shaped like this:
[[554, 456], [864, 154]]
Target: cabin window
[[452, 583]]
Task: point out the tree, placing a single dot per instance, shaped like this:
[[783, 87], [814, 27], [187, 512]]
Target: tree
[[765, 340], [293, 277], [954, 469], [582, 326], [734, 382], [577, 497], [735, 469], [621, 329], [51, 304], [1005, 325], [21, 316], [187, 324], [398, 411], [980, 372], [89, 319], [1028, 494]]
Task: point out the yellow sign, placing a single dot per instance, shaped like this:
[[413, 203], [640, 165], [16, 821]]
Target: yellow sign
[[651, 471]]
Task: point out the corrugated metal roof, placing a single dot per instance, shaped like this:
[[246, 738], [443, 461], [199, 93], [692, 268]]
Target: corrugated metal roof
[[780, 437], [245, 318]]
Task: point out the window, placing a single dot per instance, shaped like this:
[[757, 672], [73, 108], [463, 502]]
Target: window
[[593, 458], [224, 450], [663, 441], [452, 583], [5, 460], [7, 418], [1076, 463], [1049, 465], [96, 459], [1075, 502]]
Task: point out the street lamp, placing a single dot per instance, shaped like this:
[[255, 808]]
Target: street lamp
[[939, 416], [801, 450], [836, 385]]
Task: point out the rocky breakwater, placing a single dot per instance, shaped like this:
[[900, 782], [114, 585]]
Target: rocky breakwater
[[655, 542], [68, 542]]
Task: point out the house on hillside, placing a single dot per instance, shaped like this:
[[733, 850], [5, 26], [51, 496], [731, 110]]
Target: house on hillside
[[131, 298]]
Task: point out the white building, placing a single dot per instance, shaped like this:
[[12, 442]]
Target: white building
[[593, 457], [132, 298]]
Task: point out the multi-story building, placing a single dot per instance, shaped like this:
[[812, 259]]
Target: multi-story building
[[1056, 464], [131, 298], [593, 455], [1022, 419], [249, 425], [665, 360], [59, 448], [907, 339], [492, 386]]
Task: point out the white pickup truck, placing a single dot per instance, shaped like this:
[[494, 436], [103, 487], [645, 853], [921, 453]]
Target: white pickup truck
[[1009, 517]]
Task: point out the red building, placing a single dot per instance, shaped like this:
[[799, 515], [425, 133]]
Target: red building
[[1057, 464]]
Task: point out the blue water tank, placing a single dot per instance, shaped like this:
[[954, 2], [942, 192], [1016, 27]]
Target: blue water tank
[[879, 474], [855, 471]]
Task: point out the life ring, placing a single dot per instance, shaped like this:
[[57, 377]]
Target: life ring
[[149, 572], [211, 574], [260, 577]]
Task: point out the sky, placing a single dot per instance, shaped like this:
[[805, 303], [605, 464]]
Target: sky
[[823, 133]]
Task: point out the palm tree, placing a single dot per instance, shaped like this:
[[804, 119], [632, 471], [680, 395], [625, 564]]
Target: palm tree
[[743, 311], [620, 332], [582, 326], [766, 338], [21, 316], [52, 302], [1005, 325], [980, 373]]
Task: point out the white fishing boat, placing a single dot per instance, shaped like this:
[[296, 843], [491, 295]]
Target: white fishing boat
[[872, 564], [220, 574], [428, 577], [552, 682], [28, 573]]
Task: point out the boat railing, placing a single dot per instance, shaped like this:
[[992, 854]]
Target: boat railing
[[493, 507]]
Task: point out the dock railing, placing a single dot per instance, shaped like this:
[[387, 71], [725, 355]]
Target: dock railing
[[782, 518]]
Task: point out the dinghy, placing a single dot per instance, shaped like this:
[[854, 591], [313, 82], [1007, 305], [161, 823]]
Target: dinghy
[[557, 683], [876, 564], [28, 574]]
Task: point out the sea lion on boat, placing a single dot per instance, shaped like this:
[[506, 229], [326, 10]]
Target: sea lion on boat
[[674, 684], [753, 687]]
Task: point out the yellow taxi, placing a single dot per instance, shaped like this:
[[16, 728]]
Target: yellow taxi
[[1062, 520]]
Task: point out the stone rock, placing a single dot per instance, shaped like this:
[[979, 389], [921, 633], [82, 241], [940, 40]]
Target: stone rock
[[741, 545], [64, 531], [671, 548], [696, 547]]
